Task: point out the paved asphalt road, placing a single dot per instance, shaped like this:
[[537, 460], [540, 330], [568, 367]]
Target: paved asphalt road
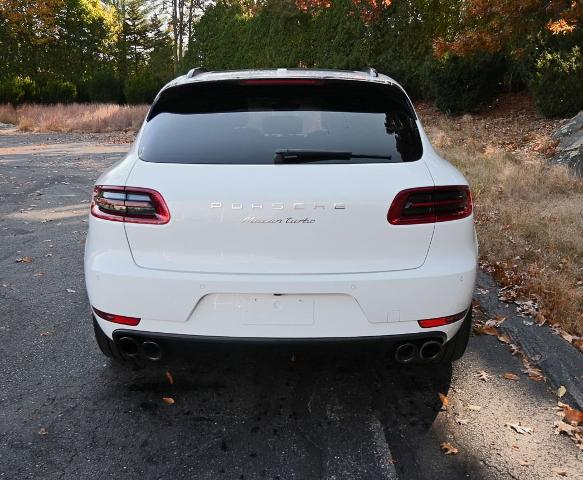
[[67, 412]]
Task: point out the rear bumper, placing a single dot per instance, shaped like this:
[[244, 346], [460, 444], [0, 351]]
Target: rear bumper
[[345, 306]]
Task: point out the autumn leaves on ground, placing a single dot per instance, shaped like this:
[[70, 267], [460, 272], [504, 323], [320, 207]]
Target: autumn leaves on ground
[[528, 213]]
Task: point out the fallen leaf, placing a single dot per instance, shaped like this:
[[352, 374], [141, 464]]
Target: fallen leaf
[[562, 427], [534, 373], [482, 375], [476, 305], [448, 449], [499, 319], [474, 408], [561, 391], [517, 427], [510, 376], [560, 471], [43, 431], [168, 400], [485, 330], [573, 416], [70, 290], [170, 378], [504, 338], [515, 349], [496, 321], [444, 401], [24, 260], [566, 336]]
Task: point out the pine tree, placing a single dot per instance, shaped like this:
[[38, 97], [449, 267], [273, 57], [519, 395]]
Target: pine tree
[[160, 50], [135, 32]]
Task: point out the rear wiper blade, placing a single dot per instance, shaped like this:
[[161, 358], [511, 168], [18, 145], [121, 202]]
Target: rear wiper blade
[[305, 156]]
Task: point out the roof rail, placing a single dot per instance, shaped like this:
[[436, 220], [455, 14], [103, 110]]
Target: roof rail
[[193, 72], [372, 72]]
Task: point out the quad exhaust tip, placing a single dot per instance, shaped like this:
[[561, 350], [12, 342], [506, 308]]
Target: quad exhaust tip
[[427, 351], [148, 349], [151, 350], [430, 350], [128, 346], [406, 353]]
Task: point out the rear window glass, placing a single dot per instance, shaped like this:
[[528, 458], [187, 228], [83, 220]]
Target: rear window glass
[[259, 122]]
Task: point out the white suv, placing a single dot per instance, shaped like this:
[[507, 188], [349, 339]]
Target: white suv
[[282, 205]]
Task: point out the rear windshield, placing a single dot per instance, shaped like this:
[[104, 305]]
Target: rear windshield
[[273, 121]]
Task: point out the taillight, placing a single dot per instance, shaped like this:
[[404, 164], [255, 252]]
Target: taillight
[[122, 319], [129, 204], [441, 321], [430, 205]]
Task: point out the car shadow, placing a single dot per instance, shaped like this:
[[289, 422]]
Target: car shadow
[[329, 409]]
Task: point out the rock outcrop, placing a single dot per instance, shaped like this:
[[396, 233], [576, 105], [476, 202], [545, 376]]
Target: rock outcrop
[[569, 149]]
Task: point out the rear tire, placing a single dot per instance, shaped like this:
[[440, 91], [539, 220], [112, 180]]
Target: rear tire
[[455, 348], [106, 345]]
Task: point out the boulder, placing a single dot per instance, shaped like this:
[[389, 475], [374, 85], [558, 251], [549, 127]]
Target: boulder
[[569, 149]]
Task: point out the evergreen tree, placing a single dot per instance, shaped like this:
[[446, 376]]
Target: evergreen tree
[[160, 50], [135, 32]]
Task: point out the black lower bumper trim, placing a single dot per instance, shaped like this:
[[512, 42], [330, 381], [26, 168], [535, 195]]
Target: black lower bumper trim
[[384, 339]]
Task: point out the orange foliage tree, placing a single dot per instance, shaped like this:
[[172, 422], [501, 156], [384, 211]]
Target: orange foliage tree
[[369, 9], [34, 20], [498, 25]]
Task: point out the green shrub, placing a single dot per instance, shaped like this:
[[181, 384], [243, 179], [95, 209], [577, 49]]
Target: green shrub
[[58, 91], [17, 90], [104, 87], [461, 84], [557, 84], [141, 88]]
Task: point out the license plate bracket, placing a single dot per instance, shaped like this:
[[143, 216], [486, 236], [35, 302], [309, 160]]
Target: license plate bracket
[[268, 309]]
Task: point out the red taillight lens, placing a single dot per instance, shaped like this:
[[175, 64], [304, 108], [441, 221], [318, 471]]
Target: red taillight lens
[[129, 204], [441, 321], [122, 319], [430, 205]]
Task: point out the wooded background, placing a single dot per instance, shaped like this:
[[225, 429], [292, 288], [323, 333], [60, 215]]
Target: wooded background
[[460, 53]]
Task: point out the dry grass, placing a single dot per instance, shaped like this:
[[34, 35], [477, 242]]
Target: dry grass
[[529, 215], [76, 117], [7, 114]]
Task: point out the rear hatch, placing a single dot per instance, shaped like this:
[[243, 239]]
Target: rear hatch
[[280, 177]]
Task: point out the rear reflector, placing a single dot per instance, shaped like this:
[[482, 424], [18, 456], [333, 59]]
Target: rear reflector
[[129, 204], [430, 205], [282, 81], [110, 317], [441, 321]]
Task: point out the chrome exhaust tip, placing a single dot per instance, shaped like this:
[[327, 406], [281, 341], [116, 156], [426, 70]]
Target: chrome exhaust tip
[[406, 353], [151, 350], [430, 350], [128, 346]]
